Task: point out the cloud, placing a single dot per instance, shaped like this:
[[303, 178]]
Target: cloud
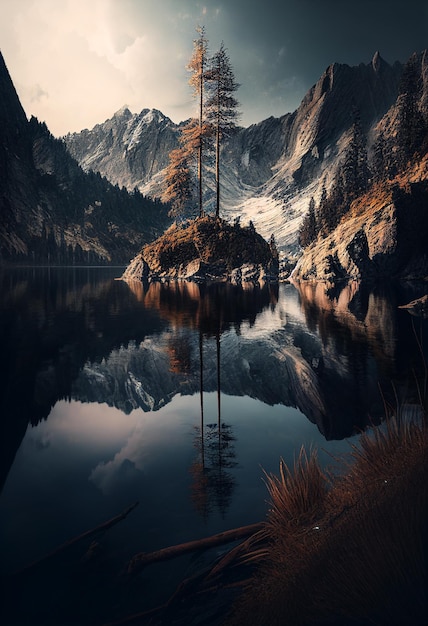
[[74, 63], [37, 93], [113, 475]]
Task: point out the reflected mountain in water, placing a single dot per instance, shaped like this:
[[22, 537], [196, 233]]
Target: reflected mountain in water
[[53, 321], [371, 353], [324, 353], [79, 334]]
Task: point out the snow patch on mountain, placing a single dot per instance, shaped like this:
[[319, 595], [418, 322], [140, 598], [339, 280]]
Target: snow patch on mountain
[[245, 159], [269, 170]]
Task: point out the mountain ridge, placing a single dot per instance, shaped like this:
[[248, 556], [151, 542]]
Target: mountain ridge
[[276, 164], [51, 209]]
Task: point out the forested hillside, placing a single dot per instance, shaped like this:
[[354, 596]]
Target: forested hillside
[[383, 159], [51, 210]]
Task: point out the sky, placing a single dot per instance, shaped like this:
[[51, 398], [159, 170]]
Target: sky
[[74, 63]]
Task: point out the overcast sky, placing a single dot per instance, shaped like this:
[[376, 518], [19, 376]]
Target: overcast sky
[[75, 62]]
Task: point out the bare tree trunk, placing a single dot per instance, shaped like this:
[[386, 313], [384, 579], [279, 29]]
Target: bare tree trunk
[[201, 113], [145, 558], [217, 171]]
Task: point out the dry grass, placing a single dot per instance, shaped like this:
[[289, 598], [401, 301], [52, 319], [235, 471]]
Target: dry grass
[[349, 549], [297, 497]]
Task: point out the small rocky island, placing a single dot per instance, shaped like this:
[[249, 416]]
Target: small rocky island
[[207, 249]]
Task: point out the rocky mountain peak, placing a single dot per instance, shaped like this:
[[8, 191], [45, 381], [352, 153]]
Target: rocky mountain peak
[[377, 61], [152, 116], [123, 113], [272, 168]]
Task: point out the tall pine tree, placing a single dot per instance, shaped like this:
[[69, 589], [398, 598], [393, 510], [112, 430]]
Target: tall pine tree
[[221, 107], [355, 168], [412, 129], [308, 228]]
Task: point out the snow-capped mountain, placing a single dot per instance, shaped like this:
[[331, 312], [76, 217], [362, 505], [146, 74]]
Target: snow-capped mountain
[[270, 169], [128, 149]]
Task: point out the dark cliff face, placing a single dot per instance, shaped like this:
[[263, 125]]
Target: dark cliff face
[[254, 151], [371, 89], [17, 176], [53, 212], [328, 109], [12, 116]]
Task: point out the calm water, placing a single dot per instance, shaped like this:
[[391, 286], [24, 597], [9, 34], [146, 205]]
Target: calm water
[[178, 397]]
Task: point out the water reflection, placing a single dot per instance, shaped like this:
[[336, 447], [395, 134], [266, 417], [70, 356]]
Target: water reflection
[[370, 355], [176, 395], [79, 334], [212, 485], [53, 321], [210, 310]]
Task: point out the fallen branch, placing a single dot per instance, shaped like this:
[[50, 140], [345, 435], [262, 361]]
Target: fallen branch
[[142, 559], [89, 533], [201, 582], [234, 553]]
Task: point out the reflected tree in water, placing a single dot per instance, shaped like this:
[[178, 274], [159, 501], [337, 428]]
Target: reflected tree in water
[[210, 310], [212, 485]]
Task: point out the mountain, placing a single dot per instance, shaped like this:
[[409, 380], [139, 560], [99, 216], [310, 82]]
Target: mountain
[[271, 169], [51, 210], [384, 236], [128, 149], [376, 227]]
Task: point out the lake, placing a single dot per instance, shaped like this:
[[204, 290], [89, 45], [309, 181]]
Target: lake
[[179, 397]]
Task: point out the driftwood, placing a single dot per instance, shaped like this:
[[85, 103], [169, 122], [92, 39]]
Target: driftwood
[[142, 559], [201, 582], [246, 547], [88, 533]]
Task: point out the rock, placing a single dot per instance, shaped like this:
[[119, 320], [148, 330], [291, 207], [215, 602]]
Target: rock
[[206, 249], [384, 236], [136, 270]]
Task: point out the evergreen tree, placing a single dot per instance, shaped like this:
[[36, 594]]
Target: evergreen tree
[[355, 168], [312, 222], [273, 247], [221, 107], [322, 199], [308, 228], [352, 179], [379, 158], [412, 128]]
